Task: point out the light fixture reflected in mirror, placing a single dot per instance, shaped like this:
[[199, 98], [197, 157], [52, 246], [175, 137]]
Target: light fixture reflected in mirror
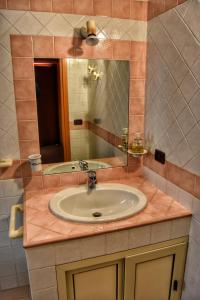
[[89, 33], [91, 69]]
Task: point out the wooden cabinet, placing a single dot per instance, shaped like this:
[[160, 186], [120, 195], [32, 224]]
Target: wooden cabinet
[[155, 275], [153, 272], [102, 281]]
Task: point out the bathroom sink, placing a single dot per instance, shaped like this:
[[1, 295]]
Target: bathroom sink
[[107, 202], [74, 167]]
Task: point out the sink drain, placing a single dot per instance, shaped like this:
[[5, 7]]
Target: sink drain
[[97, 214]]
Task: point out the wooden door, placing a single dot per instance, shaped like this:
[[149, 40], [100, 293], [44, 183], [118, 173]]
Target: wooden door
[[155, 275], [97, 282]]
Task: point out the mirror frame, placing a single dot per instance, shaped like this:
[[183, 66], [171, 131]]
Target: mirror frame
[[24, 48]]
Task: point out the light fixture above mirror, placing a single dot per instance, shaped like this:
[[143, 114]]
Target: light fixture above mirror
[[89, 33]]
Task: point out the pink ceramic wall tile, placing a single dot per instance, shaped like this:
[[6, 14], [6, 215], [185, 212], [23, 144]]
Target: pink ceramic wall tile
[[64, 47], [169, 4], [122, 50], [28, 130], [3, 4], [26, 110], [62, 6], [137, 88], [43, 46], [21, 46], [121, 9], [136, 106], [68, 179], [103, 50], [176, 175], [23, 68], [138, 69], [139, 10], [102, 7], [24, 89], [28, 147], [83, 7], [44, 5], [138, 51], [51, 181], [33, 183], [16, 4]]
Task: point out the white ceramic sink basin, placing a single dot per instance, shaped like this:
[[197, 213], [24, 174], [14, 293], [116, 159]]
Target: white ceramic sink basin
[[108, 202], [74, 167]]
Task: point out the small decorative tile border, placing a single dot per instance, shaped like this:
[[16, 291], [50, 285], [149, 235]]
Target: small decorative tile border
[[187, 181], [24, 49], [140, 10]]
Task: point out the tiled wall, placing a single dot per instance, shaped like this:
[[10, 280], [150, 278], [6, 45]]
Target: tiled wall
[[192, 273], [172, 117], [22, 21], [13, 269], [173, 86]]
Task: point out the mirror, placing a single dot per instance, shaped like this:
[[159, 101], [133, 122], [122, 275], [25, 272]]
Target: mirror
[[82, 107]]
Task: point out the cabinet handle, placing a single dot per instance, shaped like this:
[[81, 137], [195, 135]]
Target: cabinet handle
[[15, 233], [175, 285]]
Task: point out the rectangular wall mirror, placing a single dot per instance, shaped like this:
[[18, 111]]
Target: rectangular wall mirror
[[82, 107]]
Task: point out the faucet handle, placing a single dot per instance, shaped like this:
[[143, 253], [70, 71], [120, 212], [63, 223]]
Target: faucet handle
[[83, 165], [92, 175]]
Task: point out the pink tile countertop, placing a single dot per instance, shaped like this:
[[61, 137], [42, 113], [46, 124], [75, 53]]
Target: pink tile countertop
[[42, 227]]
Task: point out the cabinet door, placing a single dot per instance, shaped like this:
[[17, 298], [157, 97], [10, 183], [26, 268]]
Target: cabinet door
[[97, 282], [155, 275]]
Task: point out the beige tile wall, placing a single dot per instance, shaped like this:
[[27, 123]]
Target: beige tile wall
[[192, 272], [172, 120]]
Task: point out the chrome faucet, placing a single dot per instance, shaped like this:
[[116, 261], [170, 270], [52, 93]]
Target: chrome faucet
[[92, 179], [83, 165]]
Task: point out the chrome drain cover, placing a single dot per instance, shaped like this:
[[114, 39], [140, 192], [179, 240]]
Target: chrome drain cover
[[97, 214]]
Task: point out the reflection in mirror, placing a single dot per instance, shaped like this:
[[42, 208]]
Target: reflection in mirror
[[82, 107]]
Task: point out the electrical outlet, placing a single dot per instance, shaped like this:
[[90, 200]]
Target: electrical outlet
[[159, 156]]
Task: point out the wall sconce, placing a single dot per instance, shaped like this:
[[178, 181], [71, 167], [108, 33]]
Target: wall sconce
[[97, 75], [89, 33], [91, 69]]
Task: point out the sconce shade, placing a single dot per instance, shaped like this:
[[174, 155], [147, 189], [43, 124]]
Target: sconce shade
[[89, 33], [91, 27]]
